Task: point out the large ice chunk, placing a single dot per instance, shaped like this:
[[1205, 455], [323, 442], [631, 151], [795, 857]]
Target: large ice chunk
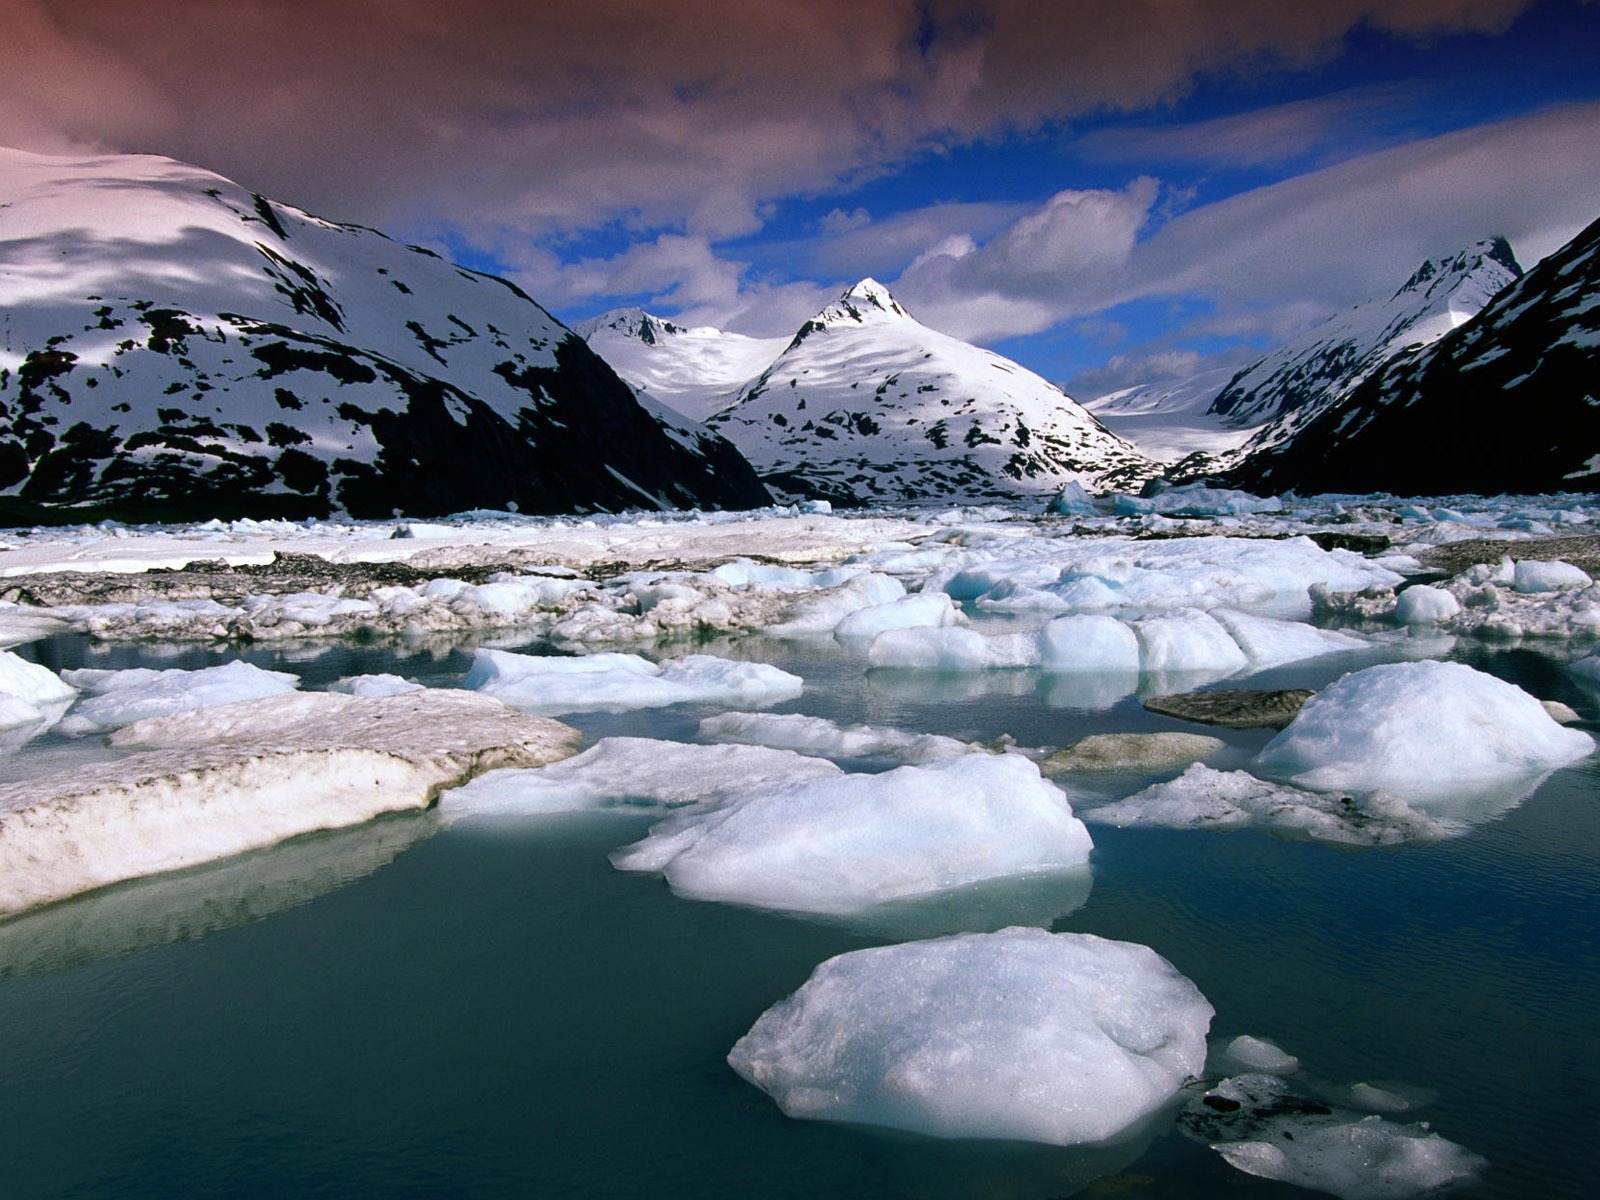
[[619, 682], [952, 648], [842, 845], [1270, 642], [218, 781], [818, 735], [630, 773], [1088, 643], [1426, 731], [1187, 640], [118, 697], [1022, 1034]]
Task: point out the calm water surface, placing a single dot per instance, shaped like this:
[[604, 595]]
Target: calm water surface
[[409, 1010]]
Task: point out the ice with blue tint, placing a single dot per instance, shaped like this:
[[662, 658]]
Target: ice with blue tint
[[1196, 500], [839, 845], [374, 685], [630, 773], [1433, 733], [1088, 642], [1271, 642], [821, 611], [1024, 1035], [119, 697], [925, 610], [619, 682], [952, 648]]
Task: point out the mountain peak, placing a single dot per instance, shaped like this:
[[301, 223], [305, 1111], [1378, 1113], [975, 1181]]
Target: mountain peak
[[1492, 257], [631, 322], [865, 301]]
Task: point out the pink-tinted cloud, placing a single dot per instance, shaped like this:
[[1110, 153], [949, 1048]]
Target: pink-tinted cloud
[[505, 114]]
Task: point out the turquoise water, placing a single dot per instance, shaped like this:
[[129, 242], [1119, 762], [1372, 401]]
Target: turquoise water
[[410, 1010]]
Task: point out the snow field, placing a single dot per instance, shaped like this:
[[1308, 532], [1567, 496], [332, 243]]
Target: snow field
[[1067, 1039]]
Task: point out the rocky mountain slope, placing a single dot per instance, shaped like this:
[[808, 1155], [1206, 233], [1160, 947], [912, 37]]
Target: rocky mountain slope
[[1328, 361], [1508, 402], [173, 345], [866, 404]]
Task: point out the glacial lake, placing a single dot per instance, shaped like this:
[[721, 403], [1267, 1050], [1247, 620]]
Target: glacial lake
[[487, 1010]]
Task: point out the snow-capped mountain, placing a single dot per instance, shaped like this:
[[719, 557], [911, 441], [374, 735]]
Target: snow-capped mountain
[[174, 345], [1509, 402], [695, 370], [1325, 363], [866, 404]]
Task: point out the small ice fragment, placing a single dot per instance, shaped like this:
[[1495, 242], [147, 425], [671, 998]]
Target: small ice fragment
[[1424, 605], [1259, 1054]]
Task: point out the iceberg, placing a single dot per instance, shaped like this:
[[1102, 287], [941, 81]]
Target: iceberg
[[618, 682], [32, 699], [841, 845], [1430, 732], [211, 783], [1067, 1039]]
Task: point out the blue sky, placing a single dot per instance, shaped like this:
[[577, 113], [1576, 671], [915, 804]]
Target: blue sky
[[1104, 192]]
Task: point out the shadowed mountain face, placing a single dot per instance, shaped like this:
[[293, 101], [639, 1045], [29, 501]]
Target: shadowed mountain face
[[174, 346], [1507, 402]]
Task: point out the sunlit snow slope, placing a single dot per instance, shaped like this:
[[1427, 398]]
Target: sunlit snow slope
[[694, 370], [867, 404], [173, 345]]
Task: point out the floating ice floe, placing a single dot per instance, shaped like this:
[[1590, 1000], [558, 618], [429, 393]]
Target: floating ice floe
[[630, 773], [1203, 798], [118, 697], [619, 682], [1022, 1034], [819, 736], [952, 648], [1260, 1128], [841, 845], [1258, 1054], [215, 782], [1089, 642], [1434, 733]]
